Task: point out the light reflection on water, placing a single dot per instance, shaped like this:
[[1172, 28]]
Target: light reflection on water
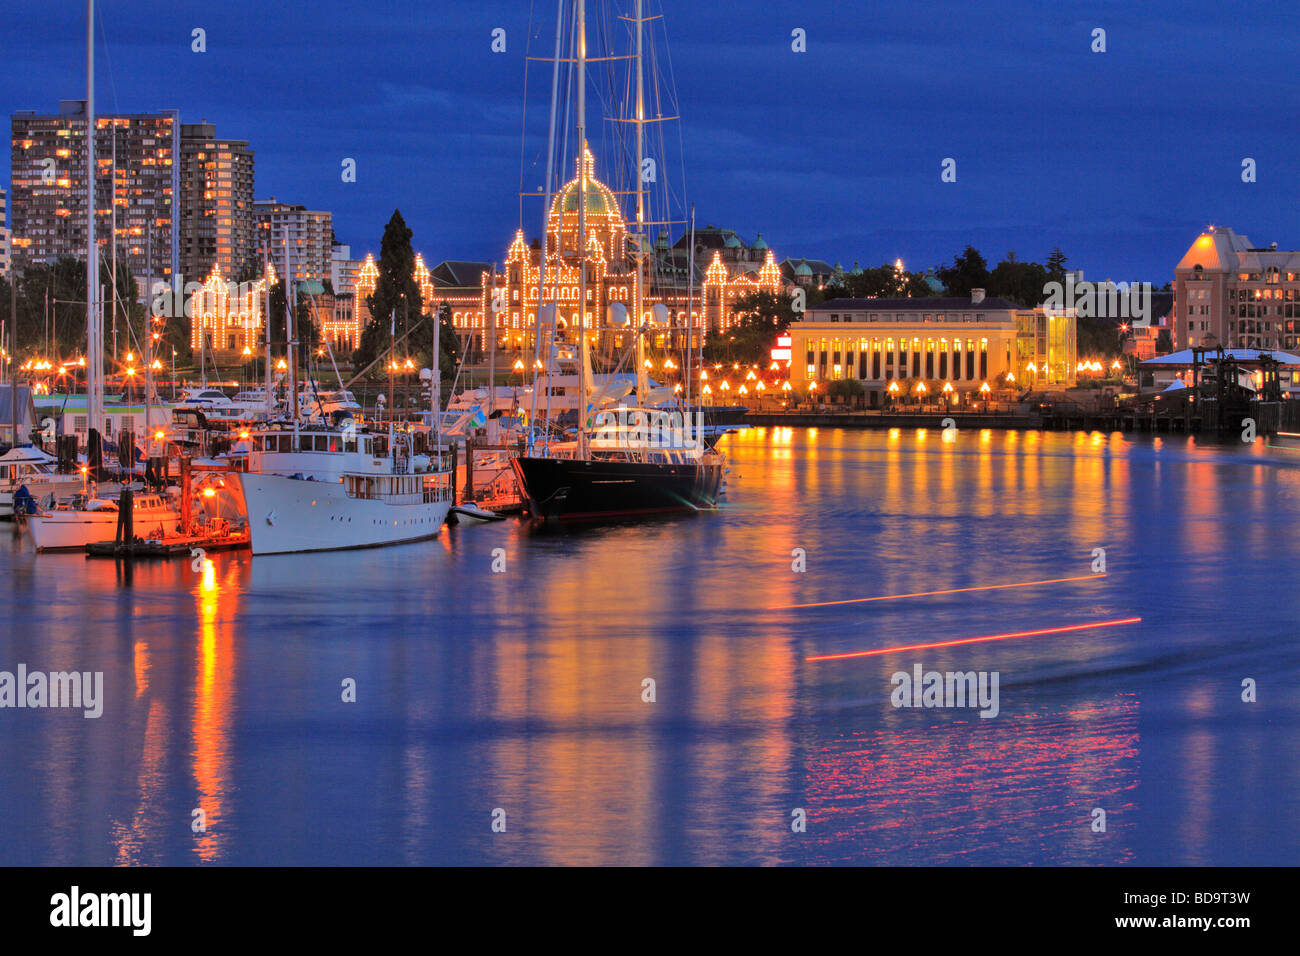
[[523, 690]]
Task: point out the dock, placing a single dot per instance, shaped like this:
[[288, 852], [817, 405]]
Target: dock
[[181, 546]]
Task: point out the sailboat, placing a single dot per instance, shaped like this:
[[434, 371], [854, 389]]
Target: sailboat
[[624, 460]]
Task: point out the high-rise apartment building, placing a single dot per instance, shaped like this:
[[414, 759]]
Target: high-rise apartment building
[[304, 235], [4, 237], [136, 187], [217, 227]]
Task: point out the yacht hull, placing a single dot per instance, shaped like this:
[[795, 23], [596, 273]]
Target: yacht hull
[[287, 515], [589, 489], [68, 530]]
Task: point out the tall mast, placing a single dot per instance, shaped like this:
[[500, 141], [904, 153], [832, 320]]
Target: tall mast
[[546, 237], [583, 357], [639, 295], [288, 328], [266, 328], [94, 347], [112, 241], [148, 335], [492, 345], [690, 311]]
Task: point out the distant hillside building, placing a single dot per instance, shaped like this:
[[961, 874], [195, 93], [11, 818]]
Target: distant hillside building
[[1229, 293]]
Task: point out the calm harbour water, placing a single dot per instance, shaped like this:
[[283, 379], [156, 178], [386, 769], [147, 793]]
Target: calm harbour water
[[522, 690]]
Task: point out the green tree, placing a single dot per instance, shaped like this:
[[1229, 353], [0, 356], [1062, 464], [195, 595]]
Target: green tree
[[1021, 282], [50, 304], [395, 304], [760, 318], [968, 271], [1056, 265]]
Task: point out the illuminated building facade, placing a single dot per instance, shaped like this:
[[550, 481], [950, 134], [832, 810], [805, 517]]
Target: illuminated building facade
[[726, 269], [216, 202], [611, 277], [1229, 293], [4, 237], [305, 235], [226, 318], [48, 180], [964, 341]]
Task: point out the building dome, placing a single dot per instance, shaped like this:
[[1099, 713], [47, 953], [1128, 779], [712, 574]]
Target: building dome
[[759, 244], [732, 242], [604, 219], [601, 203], [802, 269]]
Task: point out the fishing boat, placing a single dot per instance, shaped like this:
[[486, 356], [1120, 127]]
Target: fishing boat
[[86, 519], [320, 488], [27, 468], [628, 464]]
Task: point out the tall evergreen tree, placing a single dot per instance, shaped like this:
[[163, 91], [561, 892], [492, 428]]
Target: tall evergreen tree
[[395, 305], [968, 271]]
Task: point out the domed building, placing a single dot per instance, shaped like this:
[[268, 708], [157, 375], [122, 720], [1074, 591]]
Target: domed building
[[611, 275], [725, 270]]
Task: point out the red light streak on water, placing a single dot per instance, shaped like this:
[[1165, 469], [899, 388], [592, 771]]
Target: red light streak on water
[[975, 640]]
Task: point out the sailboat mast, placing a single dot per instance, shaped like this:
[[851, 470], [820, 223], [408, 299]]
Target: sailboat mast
[[288, 329], [638, 309], [583, 356], [266, 330], [94, 349], [690, 310], [148, 335], [546, 236]]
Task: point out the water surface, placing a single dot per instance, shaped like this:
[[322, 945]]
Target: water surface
[[523, 690]]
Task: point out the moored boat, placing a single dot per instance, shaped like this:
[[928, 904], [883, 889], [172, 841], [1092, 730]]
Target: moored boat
[[86, 519], [326, 489], [29, 468]]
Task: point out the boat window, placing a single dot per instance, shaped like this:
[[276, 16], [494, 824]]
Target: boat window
[[349, 442]]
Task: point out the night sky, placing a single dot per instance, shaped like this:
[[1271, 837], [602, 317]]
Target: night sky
[[1119, 158]]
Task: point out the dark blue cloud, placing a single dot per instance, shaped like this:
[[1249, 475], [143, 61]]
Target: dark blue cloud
[[1119, 158]]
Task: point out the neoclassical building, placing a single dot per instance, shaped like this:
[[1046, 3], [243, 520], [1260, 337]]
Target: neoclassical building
[[470, 288], [226, 317], [612, 277]]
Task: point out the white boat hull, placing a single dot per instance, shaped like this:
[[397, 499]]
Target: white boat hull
[[65, 530], [288, 515]]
